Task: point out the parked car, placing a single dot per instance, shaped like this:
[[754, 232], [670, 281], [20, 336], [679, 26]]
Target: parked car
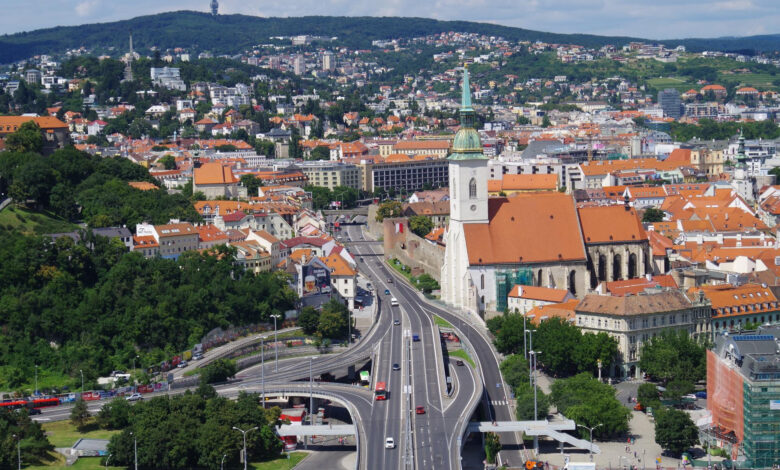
[[134, 397], [182, 365], [389, 280], [701, 394]]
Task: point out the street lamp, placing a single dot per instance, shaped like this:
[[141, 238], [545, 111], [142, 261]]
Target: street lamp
[[107, 459], [18, 451], [222, 463], [534, 355], [36, 380], [135, 449], [591, 436], [276, 344], [244, 434], [82, 383], [530, 334]]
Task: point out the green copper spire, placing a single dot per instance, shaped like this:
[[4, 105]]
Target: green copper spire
[[741, 147], [467, 144], [465, 99]]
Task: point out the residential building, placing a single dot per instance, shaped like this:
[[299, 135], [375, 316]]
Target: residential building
[[743, 397], [55, 132], [328, 62], [669, 100], [299, 65], [342, 278], [736, 308], [251, 255], [439, 148], [635, 319], [331, 174], [513, 184], [173, 239], [215, 180], [523, 299], [167, 77]]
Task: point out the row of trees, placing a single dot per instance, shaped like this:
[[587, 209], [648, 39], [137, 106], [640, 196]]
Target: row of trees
[[565, 349]]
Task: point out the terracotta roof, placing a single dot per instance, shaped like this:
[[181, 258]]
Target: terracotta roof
[[680, 156], [422, 145], [527, 228], [565, 311], [175, 230], [545, 294], [12, 123], [667, 301], [728, 300], [659, 243], [214, 173], [338, 265], [524, 183], [638, 285], [611, 224], [210, 233], [142, 185], [144, 241]]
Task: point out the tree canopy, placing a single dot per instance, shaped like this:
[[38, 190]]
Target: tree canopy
[[17, 427], [590, 402], [420, 225], [674, 355], [675, 431], [388, 209]]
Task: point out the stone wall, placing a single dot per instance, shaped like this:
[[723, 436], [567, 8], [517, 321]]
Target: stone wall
[[410, 249], [374, 228]]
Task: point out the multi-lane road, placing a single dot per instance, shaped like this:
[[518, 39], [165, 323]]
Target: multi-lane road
[[426, 440]]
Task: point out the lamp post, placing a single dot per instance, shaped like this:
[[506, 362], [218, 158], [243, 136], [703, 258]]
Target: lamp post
[[107, 459], [135, 449], [591, 437], [222, 463], [18, 451], [530, 334], [82, 383], [276, 345], [36, 379], [533, 354], [244, 434], [262, 369]]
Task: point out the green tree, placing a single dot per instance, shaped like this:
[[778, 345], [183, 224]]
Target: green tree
[[675, 431], [320, 152], [677, 388], [524, 394], [567, 351], [510, 337], [218, 371], [590, 402], [333, 320], [388, 209], [309, 320], [420, 225], [674, 355], [515, 370], [79, 414], [546, 122], [426, 283], [321, 197], [346, 196], [168, 162], [492, 447], [251, 183], [653, 215], [647, 395], [27, 138], [17, 427], [114, 414]]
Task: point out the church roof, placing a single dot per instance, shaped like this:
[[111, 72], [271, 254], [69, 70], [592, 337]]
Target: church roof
[[527, 228], [611, 224]]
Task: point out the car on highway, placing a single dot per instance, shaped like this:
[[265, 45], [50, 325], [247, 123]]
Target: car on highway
[[182, 365], [420, 410], [387, 291], [389, 443], [396, 322], [389, 280], [396, 366], [458, 362], [394, 302], [134, 397]]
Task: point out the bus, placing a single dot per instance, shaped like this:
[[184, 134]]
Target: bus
[[365, 378], [380, 392]]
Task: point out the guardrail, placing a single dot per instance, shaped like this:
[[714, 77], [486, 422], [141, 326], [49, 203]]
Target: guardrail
[[472, 406]]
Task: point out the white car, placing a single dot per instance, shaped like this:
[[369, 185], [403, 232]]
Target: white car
[[389, 443], [134, 397], [394, 302]]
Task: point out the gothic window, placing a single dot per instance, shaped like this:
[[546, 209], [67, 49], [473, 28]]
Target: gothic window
[[482, 281], [473, 189]]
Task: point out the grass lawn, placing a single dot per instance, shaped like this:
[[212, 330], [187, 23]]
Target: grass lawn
[[18, 219], [461, 354], [84, 463], [757, 80], [399, 267], [441, 322], [282, 463], [672, 82], [64, 434]]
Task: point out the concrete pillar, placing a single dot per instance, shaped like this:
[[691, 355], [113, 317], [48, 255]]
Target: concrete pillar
[[610, 263]]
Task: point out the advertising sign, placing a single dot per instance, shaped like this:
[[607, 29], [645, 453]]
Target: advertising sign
[[774, 404], [315, 280]]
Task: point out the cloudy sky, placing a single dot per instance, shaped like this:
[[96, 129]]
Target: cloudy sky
[[654, 19]]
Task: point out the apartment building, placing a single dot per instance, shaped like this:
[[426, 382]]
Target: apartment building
[[331, 174], [408, 174], [172, 239]]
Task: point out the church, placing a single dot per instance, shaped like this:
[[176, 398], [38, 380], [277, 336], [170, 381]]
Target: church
[[539, 239]]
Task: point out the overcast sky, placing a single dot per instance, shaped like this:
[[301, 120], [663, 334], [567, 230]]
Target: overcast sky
[[654, 19]]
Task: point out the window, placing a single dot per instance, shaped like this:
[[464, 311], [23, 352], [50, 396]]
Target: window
[[482, 282], [473, 189]]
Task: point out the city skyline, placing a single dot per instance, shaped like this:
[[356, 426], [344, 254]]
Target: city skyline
[[682, 19]]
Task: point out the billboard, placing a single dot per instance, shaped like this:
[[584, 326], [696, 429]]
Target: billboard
[[315, 279], [774, 405]]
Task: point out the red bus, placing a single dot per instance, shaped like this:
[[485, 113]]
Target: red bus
[[380, 391]]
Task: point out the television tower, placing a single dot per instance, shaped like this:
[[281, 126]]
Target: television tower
[[214, 7]]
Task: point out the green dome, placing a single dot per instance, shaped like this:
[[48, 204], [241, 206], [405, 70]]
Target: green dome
[[467, 145]]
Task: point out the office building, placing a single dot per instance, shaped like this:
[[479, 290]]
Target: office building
[[299, 65], [331, 174], [669, 100]]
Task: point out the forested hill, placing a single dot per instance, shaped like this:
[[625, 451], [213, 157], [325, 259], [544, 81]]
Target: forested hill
[[231, 34]]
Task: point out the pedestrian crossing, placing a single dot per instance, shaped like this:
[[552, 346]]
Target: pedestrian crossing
[[499, 402]]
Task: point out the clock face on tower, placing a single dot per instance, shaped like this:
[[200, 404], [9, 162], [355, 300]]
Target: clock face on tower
[[473, 208]]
